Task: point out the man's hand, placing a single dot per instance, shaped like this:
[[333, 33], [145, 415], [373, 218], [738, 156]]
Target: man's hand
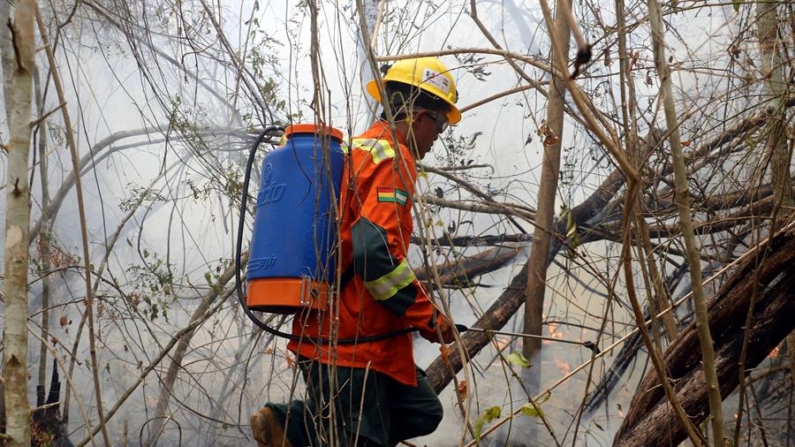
[[442, 325]]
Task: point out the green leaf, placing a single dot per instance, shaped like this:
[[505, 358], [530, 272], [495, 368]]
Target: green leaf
[[544, 398], [737, 4], [571, 231], [483, 418], [572, 237], [531, 410], [516, 358]]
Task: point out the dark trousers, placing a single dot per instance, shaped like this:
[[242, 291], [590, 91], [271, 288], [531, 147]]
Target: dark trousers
[[368, 409]]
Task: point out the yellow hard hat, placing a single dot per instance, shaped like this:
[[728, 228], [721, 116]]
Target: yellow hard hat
[[428, 74]]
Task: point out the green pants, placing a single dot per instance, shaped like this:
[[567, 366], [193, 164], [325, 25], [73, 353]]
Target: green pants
[[370, 409]]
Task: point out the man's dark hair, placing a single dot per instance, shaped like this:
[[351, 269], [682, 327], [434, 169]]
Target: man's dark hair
[[403, 98]]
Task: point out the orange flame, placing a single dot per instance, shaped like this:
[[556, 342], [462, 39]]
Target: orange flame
[[553, 333], [563, 366]]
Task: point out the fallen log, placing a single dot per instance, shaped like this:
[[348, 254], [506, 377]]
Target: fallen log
[[767, 282], [461, 272]]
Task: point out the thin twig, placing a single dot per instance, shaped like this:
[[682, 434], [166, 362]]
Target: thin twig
[[56, 77], [47, 115]]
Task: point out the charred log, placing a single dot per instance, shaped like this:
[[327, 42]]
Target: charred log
[[767, 289], [461, 272], [477, 241], [46, 429]]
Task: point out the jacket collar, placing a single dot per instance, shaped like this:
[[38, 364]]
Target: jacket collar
[[380, 129]]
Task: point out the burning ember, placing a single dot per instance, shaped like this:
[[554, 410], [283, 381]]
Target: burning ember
[[553, 333], [563, 366]]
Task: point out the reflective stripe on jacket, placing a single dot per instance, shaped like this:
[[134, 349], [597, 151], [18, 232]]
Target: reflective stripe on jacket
[[384, 294]]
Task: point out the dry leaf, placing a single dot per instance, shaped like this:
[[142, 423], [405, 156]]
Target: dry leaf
[[542, 130], [549, 136], [634, 56], [462, 389], [445, 352]]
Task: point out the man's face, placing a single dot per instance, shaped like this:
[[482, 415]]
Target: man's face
[[426, 127]]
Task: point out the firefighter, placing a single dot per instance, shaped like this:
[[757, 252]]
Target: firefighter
[[372, 393]]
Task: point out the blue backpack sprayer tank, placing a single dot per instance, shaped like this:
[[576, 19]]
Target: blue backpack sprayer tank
[[292, 261]]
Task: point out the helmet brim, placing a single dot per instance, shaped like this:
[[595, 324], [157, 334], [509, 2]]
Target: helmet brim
[[453, 115]]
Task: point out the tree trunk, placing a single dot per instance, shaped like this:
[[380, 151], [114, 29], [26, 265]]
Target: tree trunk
[[552, 139], [552, 135], [780, 156], [369, 26], [767, 23], [46, 237], [15, 333], [7, 54], [7, 59]]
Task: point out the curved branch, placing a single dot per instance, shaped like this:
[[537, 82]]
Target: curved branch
[[51, 211]]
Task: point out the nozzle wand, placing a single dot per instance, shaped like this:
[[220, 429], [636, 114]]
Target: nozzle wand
[[588, 344]]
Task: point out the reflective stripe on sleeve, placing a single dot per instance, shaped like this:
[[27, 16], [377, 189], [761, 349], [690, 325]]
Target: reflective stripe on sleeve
[[380, 150], [388, 285]]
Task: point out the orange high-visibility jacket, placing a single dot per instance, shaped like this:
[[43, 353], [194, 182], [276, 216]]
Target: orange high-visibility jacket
[[384, 295]]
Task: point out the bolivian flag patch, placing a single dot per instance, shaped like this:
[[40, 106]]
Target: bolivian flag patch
[[392, 195]]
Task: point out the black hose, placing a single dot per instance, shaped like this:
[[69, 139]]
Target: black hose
[[239, 266]]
